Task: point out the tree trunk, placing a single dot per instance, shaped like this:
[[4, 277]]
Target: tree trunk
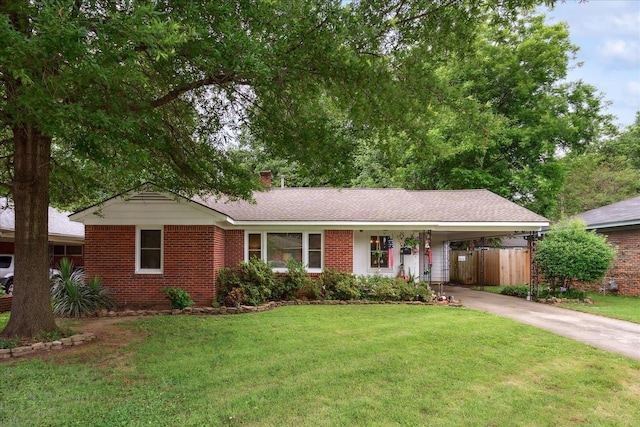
[[31, 311]]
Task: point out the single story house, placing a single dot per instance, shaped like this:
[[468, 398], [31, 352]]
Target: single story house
[[620, 222], [66, 238], [149, 238]]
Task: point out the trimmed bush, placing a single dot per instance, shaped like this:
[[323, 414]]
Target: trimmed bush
[[568, 251], [339, 285]]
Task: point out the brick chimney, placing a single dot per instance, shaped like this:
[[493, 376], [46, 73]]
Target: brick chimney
[[265, 179]]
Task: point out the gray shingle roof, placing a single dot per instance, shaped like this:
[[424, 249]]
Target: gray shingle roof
[[374, 205], [626, 212]]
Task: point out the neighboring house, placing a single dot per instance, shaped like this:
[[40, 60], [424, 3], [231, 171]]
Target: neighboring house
[[146, 239], [66, 238], [620, 222]]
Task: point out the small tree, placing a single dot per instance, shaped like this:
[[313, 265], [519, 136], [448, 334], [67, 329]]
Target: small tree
[[568, 251]]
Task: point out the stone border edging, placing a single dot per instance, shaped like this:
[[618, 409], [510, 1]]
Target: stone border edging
[[86, 337], [79, 339]]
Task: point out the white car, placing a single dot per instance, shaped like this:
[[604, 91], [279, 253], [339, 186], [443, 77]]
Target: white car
[[7, 262]]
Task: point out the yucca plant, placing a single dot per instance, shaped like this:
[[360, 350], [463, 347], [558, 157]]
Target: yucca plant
[[72, 297]]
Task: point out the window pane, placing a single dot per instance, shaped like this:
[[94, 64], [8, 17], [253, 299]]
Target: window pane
[[315, 241], [58, 249], [150, 258], [254, 242], [315, 259], [74, 250], [151, 239], [281, 247]]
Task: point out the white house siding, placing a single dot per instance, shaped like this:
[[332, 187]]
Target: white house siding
[[412, 263], [157, 210]]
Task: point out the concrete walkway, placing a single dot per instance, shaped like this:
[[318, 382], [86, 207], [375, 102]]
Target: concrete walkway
[[617, 336]]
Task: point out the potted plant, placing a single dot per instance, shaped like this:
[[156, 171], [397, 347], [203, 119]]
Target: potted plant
[[411, 243]]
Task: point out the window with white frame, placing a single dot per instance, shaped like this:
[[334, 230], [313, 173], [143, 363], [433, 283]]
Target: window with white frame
[[149, 250], [278, 248], [379, 251]]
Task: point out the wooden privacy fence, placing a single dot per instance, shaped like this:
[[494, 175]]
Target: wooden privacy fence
[[502, 267]]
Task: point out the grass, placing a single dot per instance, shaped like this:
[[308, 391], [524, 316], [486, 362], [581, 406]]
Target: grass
[[329, 366], [614, 306]]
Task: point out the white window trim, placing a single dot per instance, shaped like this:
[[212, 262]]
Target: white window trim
[[149, 270], [305, 248], [371, 269]]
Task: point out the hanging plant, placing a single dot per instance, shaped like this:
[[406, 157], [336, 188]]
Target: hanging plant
[[411, 241]]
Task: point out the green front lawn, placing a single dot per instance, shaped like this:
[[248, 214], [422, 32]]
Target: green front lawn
[[328, 366], [617, 307]]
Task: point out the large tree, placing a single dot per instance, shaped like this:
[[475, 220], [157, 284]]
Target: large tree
[[97, 96]]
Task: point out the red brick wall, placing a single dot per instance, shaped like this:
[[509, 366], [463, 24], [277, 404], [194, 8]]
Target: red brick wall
[[626, 266], [5, 303], [7, 247], [234, 244], [189, 263], [338, 250]]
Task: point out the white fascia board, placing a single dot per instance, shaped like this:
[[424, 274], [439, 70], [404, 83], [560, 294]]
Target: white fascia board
[[608, 225], [436, 226]]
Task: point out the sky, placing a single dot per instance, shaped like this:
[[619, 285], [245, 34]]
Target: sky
[[608, 35]]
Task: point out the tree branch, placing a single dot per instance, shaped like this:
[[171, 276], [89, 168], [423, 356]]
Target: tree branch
[[218, 80]]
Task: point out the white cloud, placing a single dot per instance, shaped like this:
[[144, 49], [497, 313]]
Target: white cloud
[[627, 51]]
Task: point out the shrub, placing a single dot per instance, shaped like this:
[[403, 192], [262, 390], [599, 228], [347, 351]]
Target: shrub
[[255, 278], [293, 280], [312, 290], [566, 293], [568, 251], [382, 288], [516, 291], [72, 297], [339, 285], [178, 297], [235, 298]]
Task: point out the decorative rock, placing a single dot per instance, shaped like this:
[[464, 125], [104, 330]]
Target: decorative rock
[[5, 353], [77, 339], [38, 346], [21, 351], [66, 341], [56, 345]]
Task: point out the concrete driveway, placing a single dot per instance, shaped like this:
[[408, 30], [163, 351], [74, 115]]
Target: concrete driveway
[[617, 336]]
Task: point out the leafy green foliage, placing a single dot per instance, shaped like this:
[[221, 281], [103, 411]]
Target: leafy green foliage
[[568, 251], [178, 297], [255, 277], [380, 288], [339, 285], [516, 291], [606, 174], [293, 280], [8, 343], [72, 297]]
